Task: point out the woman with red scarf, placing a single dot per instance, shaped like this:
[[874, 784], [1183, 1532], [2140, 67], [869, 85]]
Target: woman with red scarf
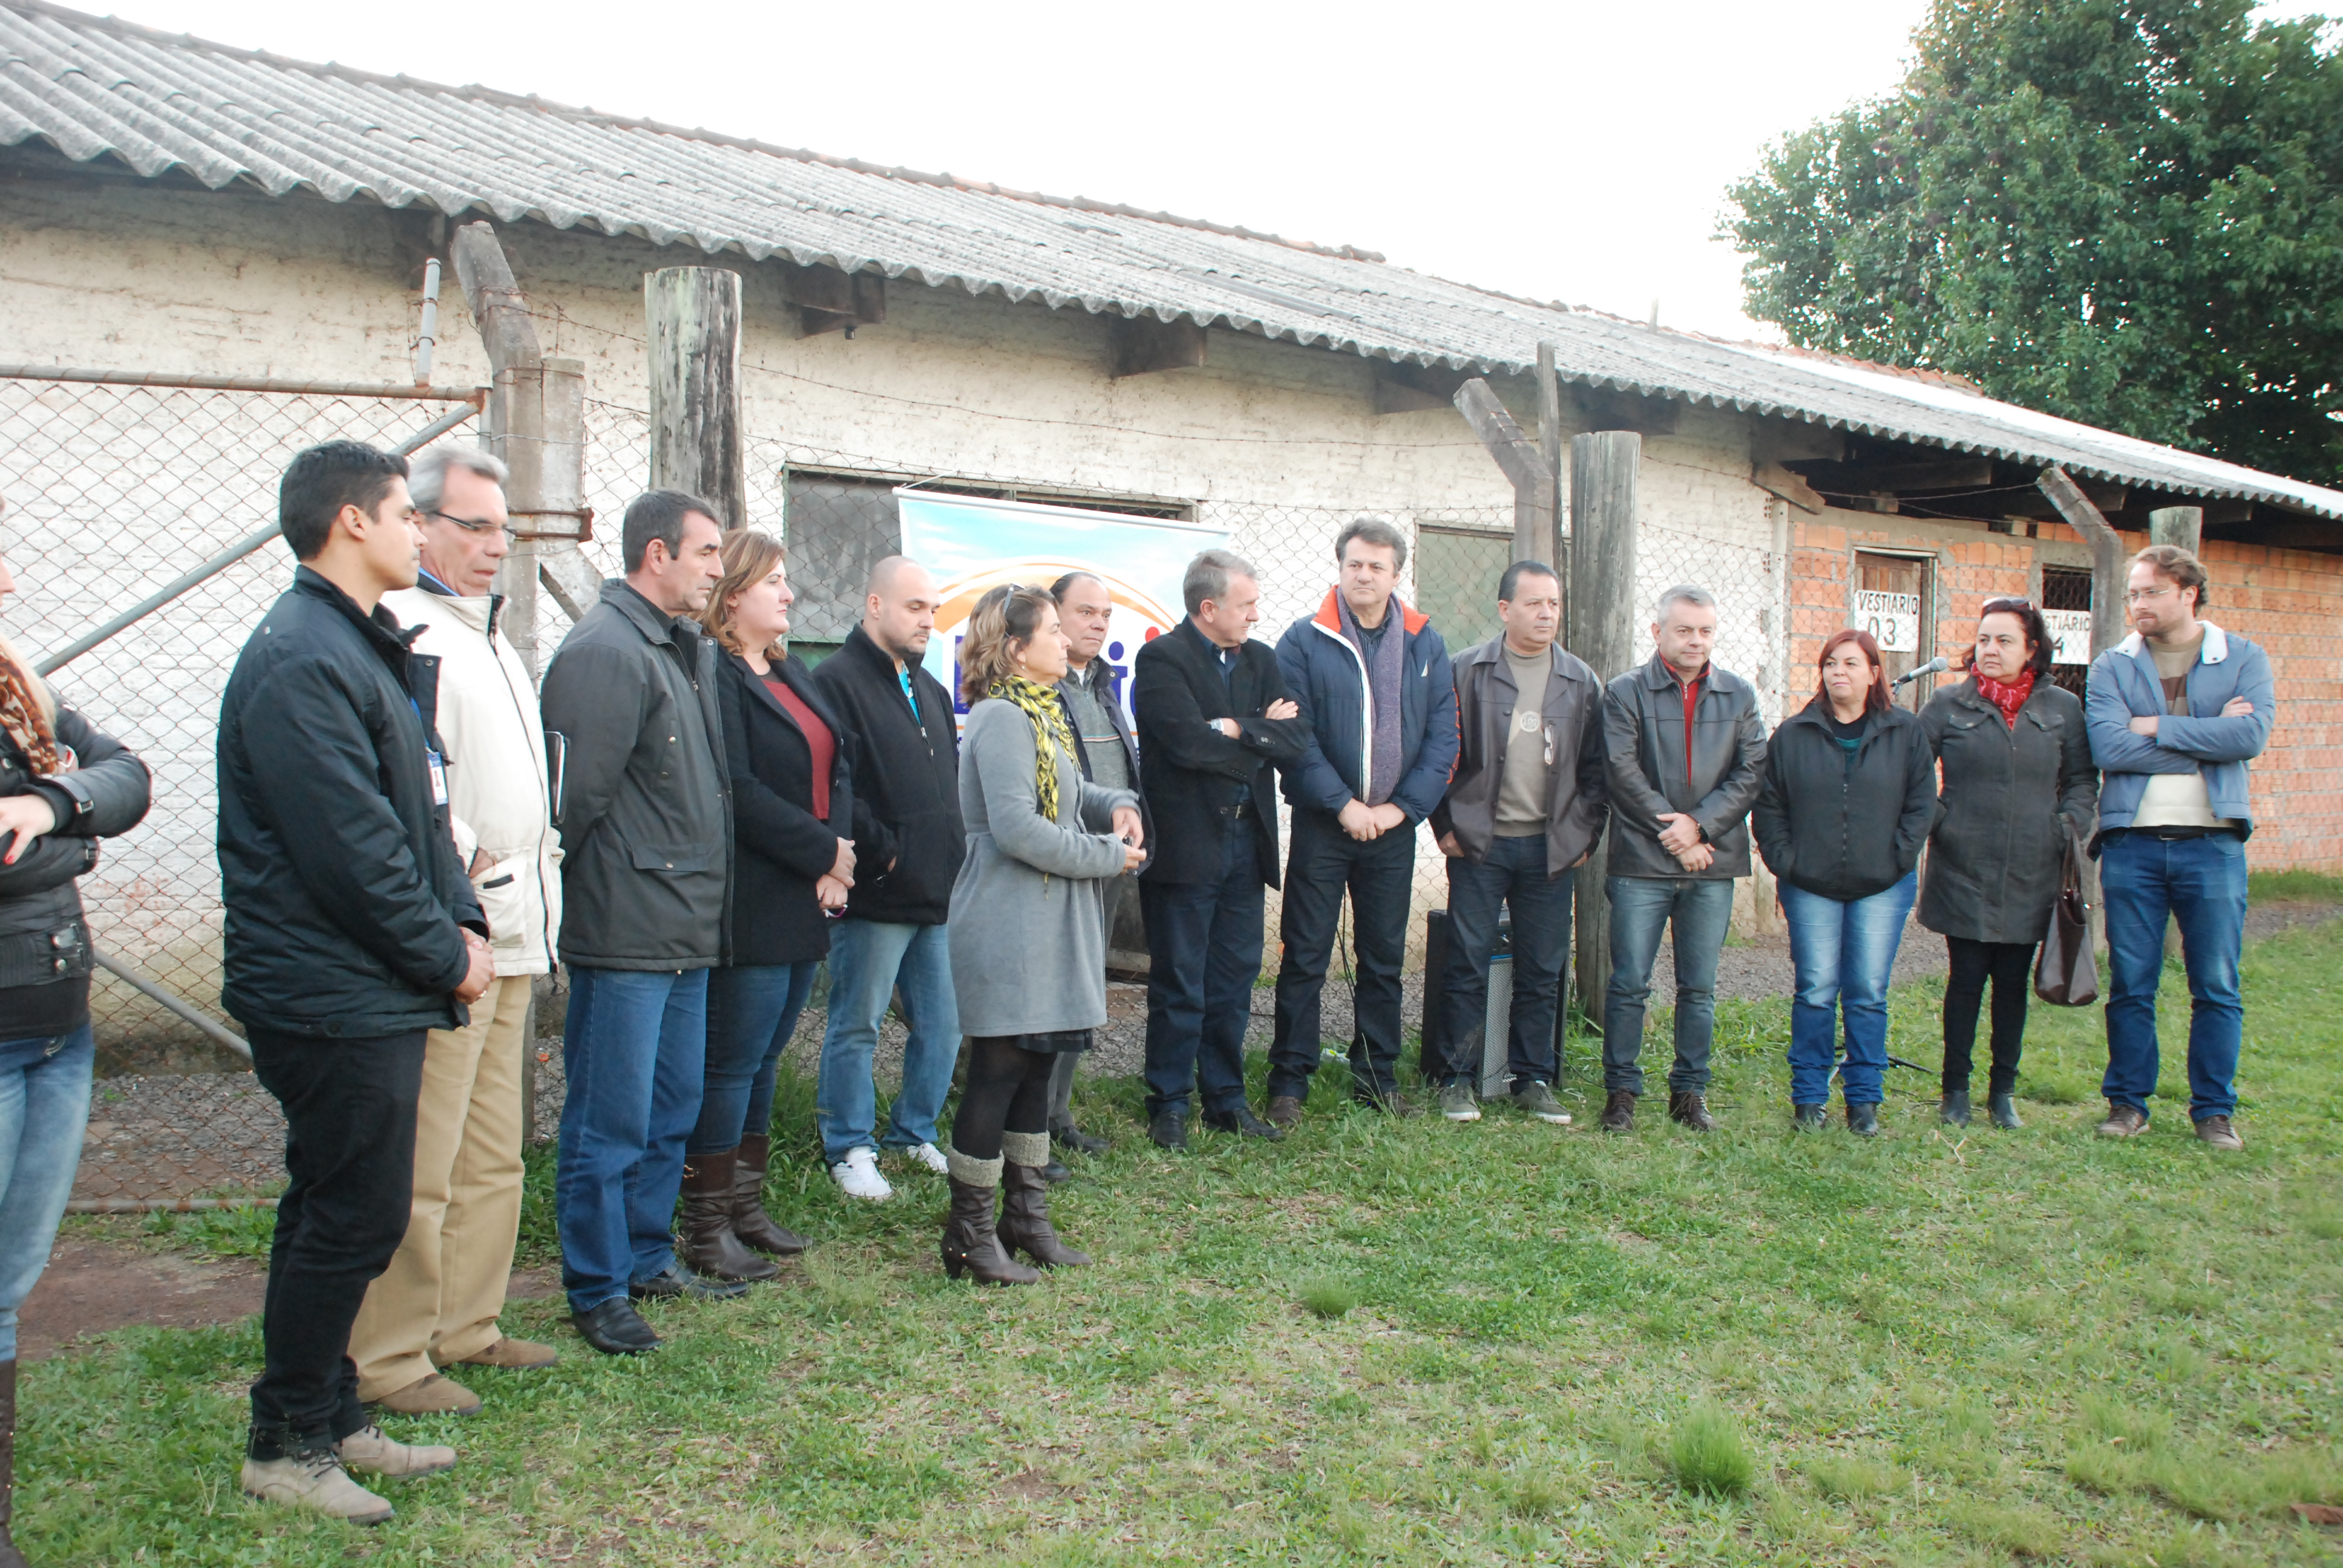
[[2017, 780]]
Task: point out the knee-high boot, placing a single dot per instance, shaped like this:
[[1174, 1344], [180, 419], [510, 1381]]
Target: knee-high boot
[[749, 1220], [1025, 1209], [708, 1244], [969, 1244]]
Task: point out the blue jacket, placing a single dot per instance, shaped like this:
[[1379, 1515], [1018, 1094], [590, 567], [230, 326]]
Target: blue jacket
[[1324, 675], [2124, 685]]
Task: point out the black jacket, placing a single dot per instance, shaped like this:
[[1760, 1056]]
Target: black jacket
[[1841, 832], [1644, 750], [645, 804], [1122, 732], [345, 899], [2011, 797], [1189, 772], [907, 785], [1578, 790], [779, 847], [42, 936]]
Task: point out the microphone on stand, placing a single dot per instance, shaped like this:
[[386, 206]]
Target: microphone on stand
[[1936, 665]]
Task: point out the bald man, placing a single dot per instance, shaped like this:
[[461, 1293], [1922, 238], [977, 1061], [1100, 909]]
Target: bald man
[[896, 721]]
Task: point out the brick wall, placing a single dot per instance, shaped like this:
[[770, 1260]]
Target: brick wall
[[2290, 602]]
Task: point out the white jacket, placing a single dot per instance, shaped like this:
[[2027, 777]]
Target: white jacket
[[497, 787]]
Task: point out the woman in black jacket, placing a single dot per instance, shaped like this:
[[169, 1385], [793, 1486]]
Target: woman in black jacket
[[1849, 794], [792, 863], [63, 787], [2018, 782]]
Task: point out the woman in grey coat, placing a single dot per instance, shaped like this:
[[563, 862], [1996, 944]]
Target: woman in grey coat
[[2017, 780], [1027, 938]]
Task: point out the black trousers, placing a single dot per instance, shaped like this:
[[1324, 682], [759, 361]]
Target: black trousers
[[1379, 875], [2009, 966], [349, 1148]]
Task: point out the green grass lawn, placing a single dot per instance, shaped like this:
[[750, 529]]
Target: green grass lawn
[[1414, 1342]]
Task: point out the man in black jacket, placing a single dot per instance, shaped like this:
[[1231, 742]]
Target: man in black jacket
[[351, 931], [1684, 752], [645, 808], [908, 843], [1215, 725]]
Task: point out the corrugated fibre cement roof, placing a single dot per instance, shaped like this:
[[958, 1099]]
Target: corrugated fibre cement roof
[[96, 88]]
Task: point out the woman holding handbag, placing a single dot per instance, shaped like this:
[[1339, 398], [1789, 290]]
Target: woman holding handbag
[[2018, 790], [1027, 940]]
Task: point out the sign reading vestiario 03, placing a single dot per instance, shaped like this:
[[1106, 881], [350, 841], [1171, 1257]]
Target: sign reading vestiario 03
[[1891, 618], [973, 544]]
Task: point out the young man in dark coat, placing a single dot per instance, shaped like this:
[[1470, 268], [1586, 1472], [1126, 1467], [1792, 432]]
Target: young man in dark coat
[[1372, 677], [904, 750], [1214, 722], [646, 818], [351, 931]]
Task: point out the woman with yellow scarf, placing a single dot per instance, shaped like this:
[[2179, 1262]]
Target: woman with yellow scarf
[[1028, 944]]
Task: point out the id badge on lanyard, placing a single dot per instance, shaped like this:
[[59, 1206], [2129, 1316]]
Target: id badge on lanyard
[[433, 760]]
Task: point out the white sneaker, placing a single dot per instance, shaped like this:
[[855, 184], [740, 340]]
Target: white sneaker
[[315, 1481], [929, 1155], [858, 1176]]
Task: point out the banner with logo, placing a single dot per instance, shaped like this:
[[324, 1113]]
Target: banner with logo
[[971, 546]]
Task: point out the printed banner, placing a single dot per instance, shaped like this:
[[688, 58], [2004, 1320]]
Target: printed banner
[[973, 546], [1891, 618]]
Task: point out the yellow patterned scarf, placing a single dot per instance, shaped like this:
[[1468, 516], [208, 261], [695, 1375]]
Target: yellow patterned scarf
[[27, 713], [1051, 733]]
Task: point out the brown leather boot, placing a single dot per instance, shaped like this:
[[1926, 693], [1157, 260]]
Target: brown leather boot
[[970, 1245], [707, 1246], [1619, 1111], [1691, 1111], [750, 1222], [9, 1556], [1025, 1225]]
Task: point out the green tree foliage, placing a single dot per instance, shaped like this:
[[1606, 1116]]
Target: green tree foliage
[[2127, 212]]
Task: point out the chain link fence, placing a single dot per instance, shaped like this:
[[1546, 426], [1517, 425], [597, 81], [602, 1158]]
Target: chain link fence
[[114, 493]]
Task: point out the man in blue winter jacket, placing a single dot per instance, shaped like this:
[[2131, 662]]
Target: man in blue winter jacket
[[2175, 712], [1373, 680]]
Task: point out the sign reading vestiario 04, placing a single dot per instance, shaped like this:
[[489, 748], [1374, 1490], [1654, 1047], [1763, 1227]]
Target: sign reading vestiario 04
[[1891, 618]]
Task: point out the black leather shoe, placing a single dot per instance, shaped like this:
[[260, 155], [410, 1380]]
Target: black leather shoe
[[2004, 1112], [1691, 1111], [1169, 1131], [1080, 1141], [1809, 1118], [615, 1329], [1863, 1120], [674, 1283], [1056, 1171], [1953, 1110], [1243, 1122]]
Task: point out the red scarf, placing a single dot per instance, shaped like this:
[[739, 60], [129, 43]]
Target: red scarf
[[2010, 696]]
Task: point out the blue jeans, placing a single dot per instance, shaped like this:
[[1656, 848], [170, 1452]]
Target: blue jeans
[[634, 1048], [1204, 941], [1843, 954], [1699, 912], [870, 960], [1513, 875], [43, 1110], [2202, 883], [752, 1010]]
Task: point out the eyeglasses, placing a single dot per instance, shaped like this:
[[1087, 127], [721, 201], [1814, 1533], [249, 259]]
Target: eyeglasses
[[469, 525], [2141, 596]]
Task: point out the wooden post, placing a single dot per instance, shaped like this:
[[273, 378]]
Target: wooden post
[[1524, 463], [693, 314], [1549, 384], [1602, 631], [2107, 554], [2182, 525]]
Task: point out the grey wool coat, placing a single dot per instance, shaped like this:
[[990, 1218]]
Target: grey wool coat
[[1027, 939]]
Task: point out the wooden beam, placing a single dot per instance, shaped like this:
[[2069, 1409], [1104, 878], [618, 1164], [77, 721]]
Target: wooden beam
[[1607, 409], [2107, 554], [2105, 498], [1523, 462], [1401, 388], [830, 300], [693, 314], [1141, 346], [1549, 391], [508, 331], [1604, 467], [1858, 478], [2182, 525], [1783, 485]]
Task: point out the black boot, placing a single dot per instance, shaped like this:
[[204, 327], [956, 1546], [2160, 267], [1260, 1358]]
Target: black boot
[[1619, 1111], [970, 1244], [707, 1244], [1954, 1111], [1691, 1111], [750, 1222], [1863, 1120], [2003, 1106], [9, 1556], [1809, 1118], [1025, 1225]]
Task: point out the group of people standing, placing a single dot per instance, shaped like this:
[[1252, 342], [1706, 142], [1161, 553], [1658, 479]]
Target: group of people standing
[[689, 821]]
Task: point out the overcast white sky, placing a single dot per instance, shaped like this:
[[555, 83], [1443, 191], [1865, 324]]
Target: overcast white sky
[[1571, 150]]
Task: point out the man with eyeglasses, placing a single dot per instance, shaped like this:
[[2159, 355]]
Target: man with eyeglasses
[[2175, 712], [437, 1304]]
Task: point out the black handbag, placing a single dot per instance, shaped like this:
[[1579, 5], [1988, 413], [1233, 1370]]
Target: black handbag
[[2067, 974]]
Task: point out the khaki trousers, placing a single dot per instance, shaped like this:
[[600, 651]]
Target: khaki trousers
[[438, 1301]]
